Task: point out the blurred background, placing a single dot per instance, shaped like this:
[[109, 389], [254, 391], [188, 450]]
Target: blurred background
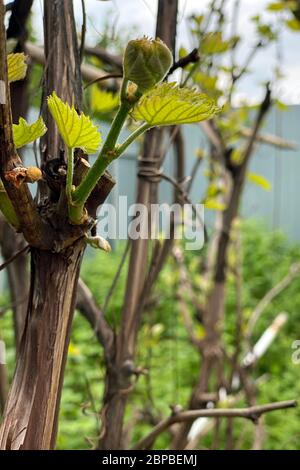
[[268, 225]]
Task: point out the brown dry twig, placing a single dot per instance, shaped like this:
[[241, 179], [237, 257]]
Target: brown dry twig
[[267, 299], [25, 249], [253, 413]]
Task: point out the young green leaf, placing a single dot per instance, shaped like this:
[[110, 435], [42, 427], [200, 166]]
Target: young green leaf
[[168, 104], [259, 180], [293, 24], [280, 6], [213, 43], [16, 66], [25, 133], [214, 205], [103, 101], [76, 130]]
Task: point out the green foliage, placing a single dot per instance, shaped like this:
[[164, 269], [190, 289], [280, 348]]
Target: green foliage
[[293, 24], [259, 180], [16, 66], [208, 84], [213, 43], [25, 133], [168, 104], [267, 257], [213, 204], [165, 350], [265, 31], [103, 101], [286, 16], [76, 130], [280, 6]]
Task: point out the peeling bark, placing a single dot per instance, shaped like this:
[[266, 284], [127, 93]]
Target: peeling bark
[[30, 418]]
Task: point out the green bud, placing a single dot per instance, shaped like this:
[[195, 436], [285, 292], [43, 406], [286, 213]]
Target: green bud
[[146, 62]]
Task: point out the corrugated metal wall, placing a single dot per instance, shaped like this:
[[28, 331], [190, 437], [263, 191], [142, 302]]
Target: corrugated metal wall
[[277, 207]]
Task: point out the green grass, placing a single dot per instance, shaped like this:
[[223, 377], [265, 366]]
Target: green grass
[[164, 349]]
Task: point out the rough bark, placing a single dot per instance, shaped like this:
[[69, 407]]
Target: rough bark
[[62, 66], [3, 382], [17, 271], [31, 412], [35, 230]]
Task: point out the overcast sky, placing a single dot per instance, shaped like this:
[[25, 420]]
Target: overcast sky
[[140, 15]]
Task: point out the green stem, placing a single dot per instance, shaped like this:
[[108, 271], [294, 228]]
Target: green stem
[[123, 92], [131, 138], [105, 157], [108, 153], [70, 171]]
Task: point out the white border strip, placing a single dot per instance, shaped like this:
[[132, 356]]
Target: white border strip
[[2, 92]]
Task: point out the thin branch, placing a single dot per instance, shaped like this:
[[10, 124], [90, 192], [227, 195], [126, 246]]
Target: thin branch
[[83, 30], [8, 6], [186, 287], [248, 61], [37, 54], [263, 109], [269, 139], [105, 56], [161, 252], [89, 72], [238, 274], [236, 76], [234, 28], [116, 277], [214, 136], [267, 299], [186, 198], [25, 249], [190, 58], [253, 413], [101, 79], [193, 174], [87, 305]]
